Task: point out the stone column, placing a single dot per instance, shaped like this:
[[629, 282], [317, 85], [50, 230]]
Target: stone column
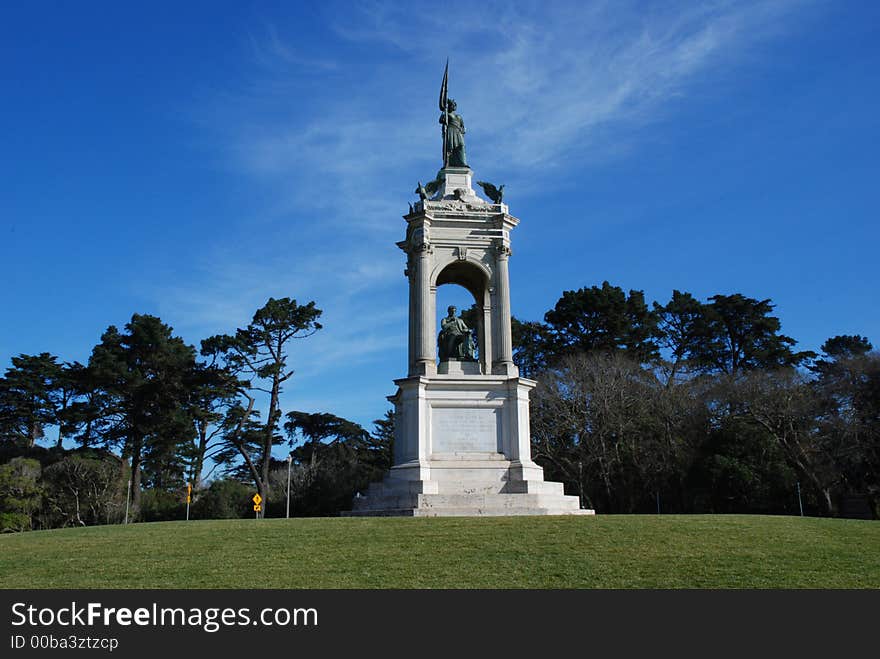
[[486, 338], [412, 280], [431, 326], [424, 357], [505, 364]]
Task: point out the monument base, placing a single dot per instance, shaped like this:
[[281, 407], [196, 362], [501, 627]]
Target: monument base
[[462, 449], [447, 498]]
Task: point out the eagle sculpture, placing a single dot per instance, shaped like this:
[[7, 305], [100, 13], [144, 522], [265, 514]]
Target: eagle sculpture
[[433, 186], [428, 190], [495, 194]]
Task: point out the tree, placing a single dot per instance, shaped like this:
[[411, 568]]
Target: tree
[[846, 346], [740, 468], [682, 325], [214, 392], [383, 440], [84, 490], [530, 345], [848, 386], [142, 375], [226, 498], [83, 420], [27, 398], [257, 355], [739, 334], [781, 403], [20, 494], [602, 319], [335, 458], [611, 431]]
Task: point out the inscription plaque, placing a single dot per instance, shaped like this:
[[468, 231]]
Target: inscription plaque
[[459, 430]]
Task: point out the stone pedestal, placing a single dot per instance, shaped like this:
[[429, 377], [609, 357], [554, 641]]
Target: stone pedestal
[[455, 367], [462, 448]]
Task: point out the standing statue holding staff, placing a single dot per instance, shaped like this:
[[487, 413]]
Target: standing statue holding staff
[[453, 127]]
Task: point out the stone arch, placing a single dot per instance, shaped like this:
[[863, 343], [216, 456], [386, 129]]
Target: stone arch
[[475, 277], [468, 273]]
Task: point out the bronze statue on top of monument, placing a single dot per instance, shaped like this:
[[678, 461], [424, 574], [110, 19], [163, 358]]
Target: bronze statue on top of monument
[[453, 127]]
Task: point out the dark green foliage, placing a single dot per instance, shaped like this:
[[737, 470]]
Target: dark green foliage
[[20, 494], [29, 398], [706, 410], [383, 439], [730, 334], [602, 319], [335, 458], [470, 316], [739, 334], [846, 346], [682, 325], [612, 432], [159, 505], [143, 375], [85, 420], [740, 467], [85, 490], [226, 498], [598, 319], [257, 356], [530, 346], [214, 392], [848, 387], [781, 404]]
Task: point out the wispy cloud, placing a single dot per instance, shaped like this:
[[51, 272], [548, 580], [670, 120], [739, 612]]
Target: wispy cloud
[[541, 86], [543, 83], [276, 54]]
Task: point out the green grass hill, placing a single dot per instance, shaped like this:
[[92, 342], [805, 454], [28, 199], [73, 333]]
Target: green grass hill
[[613, 551]]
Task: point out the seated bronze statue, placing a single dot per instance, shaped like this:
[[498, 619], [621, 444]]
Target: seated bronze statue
[[456, 340]]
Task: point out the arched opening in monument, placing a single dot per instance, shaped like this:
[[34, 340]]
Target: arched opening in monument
[[464, 285], [466, 309]]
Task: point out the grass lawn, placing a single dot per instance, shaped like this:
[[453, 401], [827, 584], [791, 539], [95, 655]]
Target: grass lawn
[[606, 551]]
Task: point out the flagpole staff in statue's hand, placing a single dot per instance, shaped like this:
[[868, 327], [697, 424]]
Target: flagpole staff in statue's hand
[[445, 110]]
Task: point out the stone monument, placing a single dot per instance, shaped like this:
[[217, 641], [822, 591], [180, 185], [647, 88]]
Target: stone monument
[[461, 444]]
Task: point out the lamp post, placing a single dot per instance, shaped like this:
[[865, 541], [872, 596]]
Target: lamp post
[[127, 499], [800, 501], [189, 489], [289, 460]]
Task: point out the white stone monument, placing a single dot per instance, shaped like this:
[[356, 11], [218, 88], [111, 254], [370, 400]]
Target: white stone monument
[[461, 443]]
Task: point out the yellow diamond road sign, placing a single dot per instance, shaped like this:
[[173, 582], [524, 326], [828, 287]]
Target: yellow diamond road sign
[[258, 499]]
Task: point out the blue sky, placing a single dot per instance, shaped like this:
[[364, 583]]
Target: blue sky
[[190, 160]]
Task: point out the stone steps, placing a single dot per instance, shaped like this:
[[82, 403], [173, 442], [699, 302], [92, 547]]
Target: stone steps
[[400, 487], [477, 504], [463, 512], [496, 501], [495, 512], [534, 487]]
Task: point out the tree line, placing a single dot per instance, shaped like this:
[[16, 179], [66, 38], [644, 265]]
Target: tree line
[[687, 406], [148, 414], [693, 406]]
